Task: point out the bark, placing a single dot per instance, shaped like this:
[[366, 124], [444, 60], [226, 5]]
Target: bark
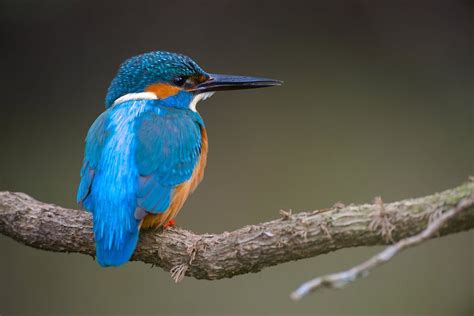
[[248, 249]]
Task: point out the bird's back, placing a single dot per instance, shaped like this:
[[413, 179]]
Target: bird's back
[[139, 163]]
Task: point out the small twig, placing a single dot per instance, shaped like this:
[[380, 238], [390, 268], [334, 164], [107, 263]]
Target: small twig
[[286, 215], [381, 221], [341, 279], [178, 272], [339, 205]]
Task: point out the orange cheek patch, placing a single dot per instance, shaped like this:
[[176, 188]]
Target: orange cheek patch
[[163, 90]]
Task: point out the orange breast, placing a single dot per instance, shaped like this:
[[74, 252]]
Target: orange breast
[[182, 191]]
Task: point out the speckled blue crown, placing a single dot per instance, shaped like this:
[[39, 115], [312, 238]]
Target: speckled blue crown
[[140, 71]]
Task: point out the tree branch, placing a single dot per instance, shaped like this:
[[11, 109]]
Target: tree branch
[[341, 279], [248, 249]]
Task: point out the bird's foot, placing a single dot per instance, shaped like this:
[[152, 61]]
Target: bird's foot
[[170, 223]]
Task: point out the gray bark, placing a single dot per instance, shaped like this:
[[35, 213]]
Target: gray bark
[[248, 249]]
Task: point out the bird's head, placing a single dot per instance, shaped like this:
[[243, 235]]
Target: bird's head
[[173, 78]]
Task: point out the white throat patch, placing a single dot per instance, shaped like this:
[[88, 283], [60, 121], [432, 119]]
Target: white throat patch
[[197, 98], [136, 96]]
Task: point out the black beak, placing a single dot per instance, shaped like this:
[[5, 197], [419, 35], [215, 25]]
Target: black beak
[[229, 82]]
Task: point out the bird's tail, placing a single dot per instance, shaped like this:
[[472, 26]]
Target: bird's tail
[[116, 233], [113, 257]]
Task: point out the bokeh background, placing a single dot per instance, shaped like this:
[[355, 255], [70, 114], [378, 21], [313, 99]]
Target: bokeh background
[[377, 100]]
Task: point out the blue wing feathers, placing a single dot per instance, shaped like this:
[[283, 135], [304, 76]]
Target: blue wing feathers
[[153, 196], [95, 140], [87, 174], [136, 153], [167, 152]]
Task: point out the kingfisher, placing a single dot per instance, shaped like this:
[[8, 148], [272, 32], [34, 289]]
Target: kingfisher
[[146, 153]]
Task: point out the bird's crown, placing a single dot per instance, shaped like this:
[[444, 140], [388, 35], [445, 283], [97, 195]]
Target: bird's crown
[[139, 73]]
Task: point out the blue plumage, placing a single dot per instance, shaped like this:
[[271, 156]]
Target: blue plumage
[[141, 153], [136, 153], [169, 142], [136, 73]]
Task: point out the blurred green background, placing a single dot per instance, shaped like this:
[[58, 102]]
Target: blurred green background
[[377, 100]]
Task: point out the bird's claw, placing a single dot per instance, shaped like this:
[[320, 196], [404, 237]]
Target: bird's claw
[[170, 223]]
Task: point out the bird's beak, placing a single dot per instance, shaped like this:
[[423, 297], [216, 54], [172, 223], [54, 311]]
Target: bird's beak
[[230, 82]]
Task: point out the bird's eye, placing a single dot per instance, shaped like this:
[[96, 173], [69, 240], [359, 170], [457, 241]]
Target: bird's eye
[[180, 80]]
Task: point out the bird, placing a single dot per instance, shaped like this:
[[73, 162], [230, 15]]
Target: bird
[[146, 153]]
